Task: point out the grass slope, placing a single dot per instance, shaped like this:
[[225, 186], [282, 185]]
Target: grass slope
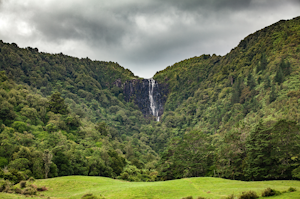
[[76, 186]]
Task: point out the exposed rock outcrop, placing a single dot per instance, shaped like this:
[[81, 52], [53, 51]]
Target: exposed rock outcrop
[[147, 94]]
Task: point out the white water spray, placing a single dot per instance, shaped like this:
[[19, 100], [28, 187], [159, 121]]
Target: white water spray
[[151, 99]]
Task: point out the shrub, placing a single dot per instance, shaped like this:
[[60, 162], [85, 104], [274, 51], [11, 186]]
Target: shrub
[[292, 189], [188, 197], [296, 173], [230, 196], [200, 197], [31, 179], [29, 191], [2, 185], [5, 186], [270, 192], [42, 188], [22, 184], [14, 176], [89, 196], [248, 195], [18, 190]]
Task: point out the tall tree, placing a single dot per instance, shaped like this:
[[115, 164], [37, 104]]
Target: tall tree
[[57, 104], [273, 95], [236, 92], [285, 145], [279, 76], [259, 160], [285, 66], [250, 81], [47, 157], [267, 82], [263, 62]]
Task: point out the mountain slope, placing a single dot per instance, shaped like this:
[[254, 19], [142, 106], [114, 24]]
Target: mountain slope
[[237, 111], [72, 108], [206, 84]]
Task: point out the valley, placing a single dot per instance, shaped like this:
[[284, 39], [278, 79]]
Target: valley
[[215, 122]]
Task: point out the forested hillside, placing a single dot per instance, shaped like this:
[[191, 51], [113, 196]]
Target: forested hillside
[[247, 98], [234, 116], [70, 109], [262, 68]]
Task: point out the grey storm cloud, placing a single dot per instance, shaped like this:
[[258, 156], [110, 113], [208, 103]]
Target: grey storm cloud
[[143, 35]]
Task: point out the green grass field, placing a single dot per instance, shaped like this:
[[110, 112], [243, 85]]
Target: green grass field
[[76, 186]]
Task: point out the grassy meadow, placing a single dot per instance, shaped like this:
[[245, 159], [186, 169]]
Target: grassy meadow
[[76, 186]]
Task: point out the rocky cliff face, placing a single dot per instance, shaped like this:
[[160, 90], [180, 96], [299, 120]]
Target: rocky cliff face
[[147, 94]]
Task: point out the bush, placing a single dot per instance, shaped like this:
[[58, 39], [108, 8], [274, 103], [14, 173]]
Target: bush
[[5, 186], [296, 173], [230, 196], [292, 189], [18, 190], [200, 197], [31, 179], [248, 195], [22, 184], [270, 192], [189, 197], [89, 196], [29, 191], [14, 176], [42, 188]]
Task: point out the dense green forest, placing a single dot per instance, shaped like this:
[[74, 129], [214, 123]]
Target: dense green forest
[[253, 89], [234, 116]]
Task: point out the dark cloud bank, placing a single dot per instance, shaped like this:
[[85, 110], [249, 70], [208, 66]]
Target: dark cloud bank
[[144, 36]]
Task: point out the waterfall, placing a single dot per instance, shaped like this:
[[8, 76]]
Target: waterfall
[[153, 106]]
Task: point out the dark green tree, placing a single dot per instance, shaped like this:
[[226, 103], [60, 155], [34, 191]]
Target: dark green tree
[[250, 81], [236, 92], [285, 66], [259, 79], [279, 76], [7, 114], [117, 162], [263, 62], [3, 77], [57, 104], [102, 128], [267, 81], [285, 148], [259, 147], [288, 69], [63, 164], [273, 94], [272, 152]]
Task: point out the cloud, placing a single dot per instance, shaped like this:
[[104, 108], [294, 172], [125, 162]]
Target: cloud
[[144, 36]]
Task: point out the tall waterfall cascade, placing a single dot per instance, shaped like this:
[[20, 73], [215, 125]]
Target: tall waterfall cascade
[[147, 94], [153, 104]]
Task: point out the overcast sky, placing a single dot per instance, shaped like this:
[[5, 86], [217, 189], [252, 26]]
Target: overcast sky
[[143, 35]]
